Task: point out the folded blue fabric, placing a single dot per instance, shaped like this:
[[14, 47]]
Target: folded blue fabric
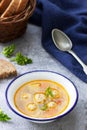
[[69, 16]]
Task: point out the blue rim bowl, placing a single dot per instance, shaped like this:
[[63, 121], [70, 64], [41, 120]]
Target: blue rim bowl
[[41, 74]]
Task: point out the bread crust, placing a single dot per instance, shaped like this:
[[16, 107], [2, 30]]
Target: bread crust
[[22, 5], [11, 9], [7, 69], [3, 5]]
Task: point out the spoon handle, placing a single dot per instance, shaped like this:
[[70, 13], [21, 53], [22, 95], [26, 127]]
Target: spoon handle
[[79, 60]]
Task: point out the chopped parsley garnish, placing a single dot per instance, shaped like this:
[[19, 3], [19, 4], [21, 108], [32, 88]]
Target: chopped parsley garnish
[[4, 117], [9, 50], [44, 107], [48, 92]]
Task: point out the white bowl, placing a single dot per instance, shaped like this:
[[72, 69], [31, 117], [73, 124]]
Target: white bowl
[[43, 75]]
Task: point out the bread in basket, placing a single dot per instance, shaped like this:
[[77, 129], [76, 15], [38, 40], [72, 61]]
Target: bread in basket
[[14, 15]]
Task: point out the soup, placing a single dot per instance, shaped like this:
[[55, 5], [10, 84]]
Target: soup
[[41, 99]]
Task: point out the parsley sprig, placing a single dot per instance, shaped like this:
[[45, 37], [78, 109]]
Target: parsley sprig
[[21, 59], [4, 117], [9, 50]]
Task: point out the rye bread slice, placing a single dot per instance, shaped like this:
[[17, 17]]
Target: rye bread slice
[[3, 5], [21, 6], [7, 69], [11, 9]]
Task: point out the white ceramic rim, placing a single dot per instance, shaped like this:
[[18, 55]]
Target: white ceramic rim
[[36, 119]]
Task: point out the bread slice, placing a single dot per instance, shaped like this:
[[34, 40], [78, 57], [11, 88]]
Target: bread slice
[[21, 6], [11, 9], [7, 69], [3, 5]]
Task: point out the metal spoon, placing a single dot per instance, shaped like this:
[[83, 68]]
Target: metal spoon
[[63, 43]]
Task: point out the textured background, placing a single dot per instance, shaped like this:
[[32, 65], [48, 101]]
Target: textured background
[[30, 44]]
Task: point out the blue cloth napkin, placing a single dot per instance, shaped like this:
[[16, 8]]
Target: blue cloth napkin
[[69, 16]]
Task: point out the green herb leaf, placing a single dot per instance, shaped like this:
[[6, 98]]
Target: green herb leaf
[[4, 117], [48, 92], [8, 51], [21, 60], [44, 107]]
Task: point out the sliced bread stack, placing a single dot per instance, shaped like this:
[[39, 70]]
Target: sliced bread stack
[[14, 16]]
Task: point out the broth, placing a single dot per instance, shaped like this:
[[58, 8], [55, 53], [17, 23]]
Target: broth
[[41, 99]]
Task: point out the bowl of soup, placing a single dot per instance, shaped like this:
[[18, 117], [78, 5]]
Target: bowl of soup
[[41, 96]]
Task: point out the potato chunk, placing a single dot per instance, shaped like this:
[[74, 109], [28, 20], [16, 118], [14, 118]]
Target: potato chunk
[[25, 96]]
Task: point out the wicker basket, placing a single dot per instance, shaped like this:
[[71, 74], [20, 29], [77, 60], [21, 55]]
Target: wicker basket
[[14, 26]]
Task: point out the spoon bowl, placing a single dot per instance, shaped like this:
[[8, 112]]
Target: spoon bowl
[[61, 40], [63, 43]]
